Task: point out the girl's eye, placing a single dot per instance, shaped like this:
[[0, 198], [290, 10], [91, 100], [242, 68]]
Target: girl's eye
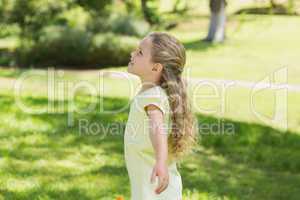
[[140, 52]]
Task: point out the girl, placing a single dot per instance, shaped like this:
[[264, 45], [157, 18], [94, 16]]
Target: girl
[[159, 130]]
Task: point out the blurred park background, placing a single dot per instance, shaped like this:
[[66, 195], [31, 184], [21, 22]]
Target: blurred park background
[[44, 154]]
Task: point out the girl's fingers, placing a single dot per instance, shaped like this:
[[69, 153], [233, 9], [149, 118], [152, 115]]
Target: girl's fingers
[[159, 184], [153, 175], [161, 188], [164, 187], [163, 184]]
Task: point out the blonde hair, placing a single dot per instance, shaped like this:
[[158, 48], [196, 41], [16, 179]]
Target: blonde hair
[[169, 52]]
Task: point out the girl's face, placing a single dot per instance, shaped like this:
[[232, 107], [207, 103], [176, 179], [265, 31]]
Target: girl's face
[[140, 63]]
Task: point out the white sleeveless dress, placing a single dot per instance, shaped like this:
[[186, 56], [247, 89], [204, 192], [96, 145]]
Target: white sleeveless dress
[[139, 153]]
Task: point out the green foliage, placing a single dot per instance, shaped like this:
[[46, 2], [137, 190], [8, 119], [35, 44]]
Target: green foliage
[[5, 8], [33, 15], [150, 11], [5, 60], [109, 49], [132, 5], [98, 25], [62, 46], [128, 25], [76, 17], [7, 30], [95, 6], [122, 24], [63, 32]]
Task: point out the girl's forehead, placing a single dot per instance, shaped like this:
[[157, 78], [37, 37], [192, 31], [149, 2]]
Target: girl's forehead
[[145, 43]]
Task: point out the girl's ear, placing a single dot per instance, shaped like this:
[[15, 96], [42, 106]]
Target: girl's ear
[[157, 67]]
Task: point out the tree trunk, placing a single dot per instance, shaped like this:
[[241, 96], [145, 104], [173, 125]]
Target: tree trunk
[[217, 24]]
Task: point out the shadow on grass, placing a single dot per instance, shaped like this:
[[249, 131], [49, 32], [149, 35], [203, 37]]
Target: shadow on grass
[[200, 45], [255, 162], [50, 194], [268, 10]]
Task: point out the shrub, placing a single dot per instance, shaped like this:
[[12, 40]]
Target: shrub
[[128, 25], [75, 17], [111, 50], [60, 46], [120, 24], [6, 58], [56, 46], [7, 30]]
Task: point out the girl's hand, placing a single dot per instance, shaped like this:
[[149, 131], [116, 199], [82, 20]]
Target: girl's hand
[[161, 171]]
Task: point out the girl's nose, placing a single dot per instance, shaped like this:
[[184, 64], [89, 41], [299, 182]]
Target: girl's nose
[[132, 54]]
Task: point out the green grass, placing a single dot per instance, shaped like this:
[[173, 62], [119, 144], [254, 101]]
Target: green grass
[[10, 72], [256, 47], [237, 105], [43, 158]]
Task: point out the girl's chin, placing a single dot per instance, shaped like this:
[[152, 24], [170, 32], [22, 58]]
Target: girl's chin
[[129, 68], [130, 64]]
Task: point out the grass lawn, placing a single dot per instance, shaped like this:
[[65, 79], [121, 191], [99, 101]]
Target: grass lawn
[[43, 158], [236, 105], [256, 47]]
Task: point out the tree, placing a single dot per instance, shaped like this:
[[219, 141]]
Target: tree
[[33, 15], [149, 12], [217, 24], [180, 6]]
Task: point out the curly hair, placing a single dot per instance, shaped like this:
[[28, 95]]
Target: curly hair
[[169, 52]]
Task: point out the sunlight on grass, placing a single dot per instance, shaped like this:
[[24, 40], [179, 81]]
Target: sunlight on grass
[[59, 162], [252, 52], [21, 185]]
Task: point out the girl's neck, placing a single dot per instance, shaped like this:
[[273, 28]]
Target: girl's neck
[[148, 85]]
